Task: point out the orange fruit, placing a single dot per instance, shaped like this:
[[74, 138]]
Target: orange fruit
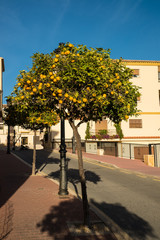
[[59, 90], [67, 52], [111, 80], [71, 45], [34, 90]]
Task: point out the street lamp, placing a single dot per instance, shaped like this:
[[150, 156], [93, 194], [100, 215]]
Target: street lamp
[[63, 162], [8, 136]]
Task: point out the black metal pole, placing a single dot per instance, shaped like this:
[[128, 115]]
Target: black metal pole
[[63, 162], [8, 140], [150, 148], [14, 138]]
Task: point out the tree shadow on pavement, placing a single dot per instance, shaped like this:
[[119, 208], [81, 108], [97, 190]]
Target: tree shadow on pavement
[[74, 179], [136, 227], [55, 222], [13, 174], [43, 158]]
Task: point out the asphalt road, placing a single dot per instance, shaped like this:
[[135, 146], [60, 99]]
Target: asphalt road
[[131, 200]]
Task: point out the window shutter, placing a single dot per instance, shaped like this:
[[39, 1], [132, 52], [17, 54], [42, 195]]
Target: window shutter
[[135, 123]]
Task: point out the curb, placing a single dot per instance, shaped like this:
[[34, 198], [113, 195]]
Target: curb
[[112, 165], [87, 158]]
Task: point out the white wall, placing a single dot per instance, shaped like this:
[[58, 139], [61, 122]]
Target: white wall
[[55, 130]]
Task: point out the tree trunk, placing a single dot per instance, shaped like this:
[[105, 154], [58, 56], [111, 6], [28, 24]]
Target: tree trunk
[[82, 176], [34, 154]]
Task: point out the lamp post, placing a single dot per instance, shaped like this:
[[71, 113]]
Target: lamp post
[[14, 137], [63, 162], [8, 136], [8, 140]]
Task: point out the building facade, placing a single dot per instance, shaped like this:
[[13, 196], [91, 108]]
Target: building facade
[[146, 126]]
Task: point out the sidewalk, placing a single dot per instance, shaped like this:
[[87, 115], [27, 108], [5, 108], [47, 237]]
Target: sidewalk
[[124, 163], [30, 208]]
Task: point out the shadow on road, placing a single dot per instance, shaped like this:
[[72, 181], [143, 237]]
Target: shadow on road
[[136, 227], [74, 179], [43, 158]]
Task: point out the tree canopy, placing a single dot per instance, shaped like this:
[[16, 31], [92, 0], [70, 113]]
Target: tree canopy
[[86, 83]]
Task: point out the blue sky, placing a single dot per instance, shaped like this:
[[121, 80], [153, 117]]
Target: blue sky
[[130, 28]]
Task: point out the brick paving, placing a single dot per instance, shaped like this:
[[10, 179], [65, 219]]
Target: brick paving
[[30, 208]]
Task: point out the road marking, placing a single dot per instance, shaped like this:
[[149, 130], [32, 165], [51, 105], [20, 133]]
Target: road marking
[[141, 176], [125, 171], [99, 164], [156, 179]]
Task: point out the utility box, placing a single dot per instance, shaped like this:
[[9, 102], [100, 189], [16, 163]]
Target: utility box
[[149, 160], [100, 151], [91, 147]]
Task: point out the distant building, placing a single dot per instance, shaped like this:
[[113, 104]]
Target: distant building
[[146, 126]]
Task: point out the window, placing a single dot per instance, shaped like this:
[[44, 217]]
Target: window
[[135, 72], [135, 123], [159, 73], [24, 140]]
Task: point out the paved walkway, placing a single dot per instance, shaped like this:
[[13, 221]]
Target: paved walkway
[[30, 208], [124, 163]]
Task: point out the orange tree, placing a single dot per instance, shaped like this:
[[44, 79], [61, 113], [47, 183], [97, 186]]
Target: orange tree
[[27, 111], [84, 84]]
